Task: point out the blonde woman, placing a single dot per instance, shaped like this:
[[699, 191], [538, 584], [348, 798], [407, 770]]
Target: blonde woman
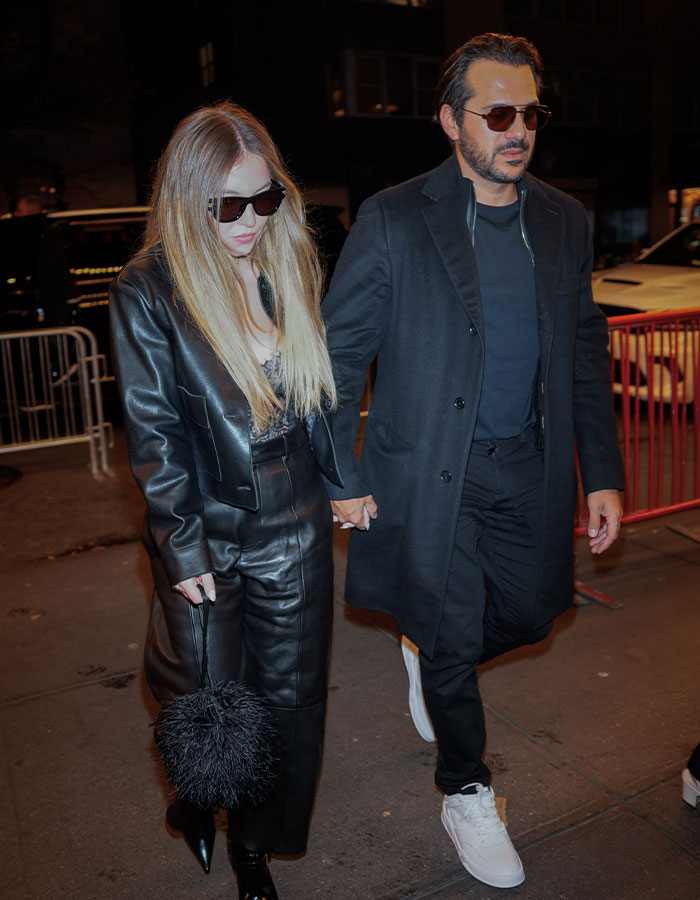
[[226, 382]]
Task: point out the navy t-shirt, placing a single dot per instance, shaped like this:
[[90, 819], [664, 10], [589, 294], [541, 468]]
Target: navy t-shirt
[[507, 286]]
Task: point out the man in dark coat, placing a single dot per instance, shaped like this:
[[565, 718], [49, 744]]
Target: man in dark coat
[[471, 286]]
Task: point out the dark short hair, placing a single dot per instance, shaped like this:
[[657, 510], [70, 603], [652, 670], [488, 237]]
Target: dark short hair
[[453, 86]]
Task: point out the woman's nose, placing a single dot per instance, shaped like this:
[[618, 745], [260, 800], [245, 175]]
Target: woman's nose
[[248, 217]]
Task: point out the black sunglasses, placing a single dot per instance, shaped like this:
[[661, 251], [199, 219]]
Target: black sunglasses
[[228, 209], [500, 118]]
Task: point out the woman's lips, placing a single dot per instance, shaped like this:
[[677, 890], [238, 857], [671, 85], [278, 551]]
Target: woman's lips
[[245, 238]]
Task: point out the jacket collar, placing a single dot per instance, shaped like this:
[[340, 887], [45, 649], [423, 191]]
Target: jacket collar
[[447, 180], [450, 219], [444, 179]]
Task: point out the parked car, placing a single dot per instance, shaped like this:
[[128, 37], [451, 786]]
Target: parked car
[[665, 277], [54, 272], [55, 267]]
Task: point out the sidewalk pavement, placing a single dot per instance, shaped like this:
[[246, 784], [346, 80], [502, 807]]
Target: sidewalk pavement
[[587, 732]]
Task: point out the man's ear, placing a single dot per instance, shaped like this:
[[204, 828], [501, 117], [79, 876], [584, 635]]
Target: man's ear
[[447, 120]]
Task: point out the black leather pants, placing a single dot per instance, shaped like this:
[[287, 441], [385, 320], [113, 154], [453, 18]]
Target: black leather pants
[[270, 626]]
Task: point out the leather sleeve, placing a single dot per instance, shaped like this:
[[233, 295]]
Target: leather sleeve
[[356, 312], [156, 428], [594, 416]]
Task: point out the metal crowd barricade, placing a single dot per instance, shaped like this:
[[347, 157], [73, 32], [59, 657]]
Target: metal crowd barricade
[[51, 393], [655, 365]]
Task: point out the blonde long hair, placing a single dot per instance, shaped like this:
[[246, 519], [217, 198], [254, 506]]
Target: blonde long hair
[[193, 169]]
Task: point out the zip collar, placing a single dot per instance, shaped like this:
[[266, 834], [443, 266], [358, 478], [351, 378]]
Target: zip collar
[[522, 191]]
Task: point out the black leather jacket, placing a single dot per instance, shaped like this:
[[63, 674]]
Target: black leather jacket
[[186, 419]]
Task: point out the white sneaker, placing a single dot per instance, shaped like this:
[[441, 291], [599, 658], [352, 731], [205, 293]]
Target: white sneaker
[[691, 788], [481, 838], [416, 703]]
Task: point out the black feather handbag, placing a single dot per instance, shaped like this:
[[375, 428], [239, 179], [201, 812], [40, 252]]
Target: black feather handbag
[[216, 744]]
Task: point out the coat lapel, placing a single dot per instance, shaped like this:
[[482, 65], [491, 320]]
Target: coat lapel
[[446, 219], [544, 224]]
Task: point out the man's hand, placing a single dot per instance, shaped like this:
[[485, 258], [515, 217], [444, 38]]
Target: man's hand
[[355, 513], [607, 506], [188, 588]]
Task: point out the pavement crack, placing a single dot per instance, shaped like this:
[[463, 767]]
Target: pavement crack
[[620, 802], [616, 797], [100, 543], [113, 680], [450, 880]]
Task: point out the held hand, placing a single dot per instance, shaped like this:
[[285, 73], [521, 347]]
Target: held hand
[[355, 513], [607, 506], [188, 588]]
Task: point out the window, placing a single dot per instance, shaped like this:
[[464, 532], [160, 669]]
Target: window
[[549, 10], [578, 12], [418, 3], [369, 92], [580, 98], [384, 84], [607, 13], [519, 9], [206, 64], [609, 99]]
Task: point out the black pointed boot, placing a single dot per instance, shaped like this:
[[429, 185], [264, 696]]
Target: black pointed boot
[[197, 827], [254, 878]]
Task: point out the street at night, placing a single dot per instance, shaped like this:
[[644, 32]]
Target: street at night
[[228, 235]]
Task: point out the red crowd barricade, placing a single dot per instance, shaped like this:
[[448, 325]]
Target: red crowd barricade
[[655, 366]]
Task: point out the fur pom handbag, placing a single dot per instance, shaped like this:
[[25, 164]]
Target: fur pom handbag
[[216, 744]]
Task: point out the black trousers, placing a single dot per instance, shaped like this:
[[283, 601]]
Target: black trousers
[[270, 626], [694, 763], [490, 603]]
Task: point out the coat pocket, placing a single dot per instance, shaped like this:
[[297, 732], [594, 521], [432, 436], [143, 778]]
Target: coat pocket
[[206, 456], [387, 436]]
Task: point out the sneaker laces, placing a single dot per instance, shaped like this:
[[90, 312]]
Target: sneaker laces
[[482, 813]]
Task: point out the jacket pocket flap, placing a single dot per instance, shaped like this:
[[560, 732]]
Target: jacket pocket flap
[[195, 406]]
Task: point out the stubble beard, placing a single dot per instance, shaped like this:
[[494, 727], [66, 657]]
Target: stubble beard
[[484, 164]]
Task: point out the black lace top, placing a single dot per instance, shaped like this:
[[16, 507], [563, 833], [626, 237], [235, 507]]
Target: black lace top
[[285, 419]]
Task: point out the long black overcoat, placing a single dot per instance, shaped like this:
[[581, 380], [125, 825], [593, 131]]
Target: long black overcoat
[[406, 291]]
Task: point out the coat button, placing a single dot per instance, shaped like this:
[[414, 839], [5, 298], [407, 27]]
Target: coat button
[[445, 475], [459, 403], [472, 329]]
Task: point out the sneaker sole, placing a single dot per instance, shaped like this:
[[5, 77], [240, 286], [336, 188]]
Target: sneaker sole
[[691, 794], [416, 703], [512, 881]]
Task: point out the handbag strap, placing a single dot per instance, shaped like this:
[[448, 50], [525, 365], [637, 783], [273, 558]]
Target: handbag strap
[[205, 677]]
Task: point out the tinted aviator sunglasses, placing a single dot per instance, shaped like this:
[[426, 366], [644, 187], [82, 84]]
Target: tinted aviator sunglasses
[[500, 118], [228, 209]]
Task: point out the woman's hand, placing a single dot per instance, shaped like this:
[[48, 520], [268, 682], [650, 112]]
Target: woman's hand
[[188, 588], [355, 513]]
